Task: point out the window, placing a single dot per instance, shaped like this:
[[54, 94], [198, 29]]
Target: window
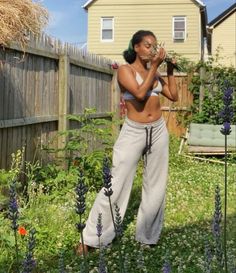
[[179, 28], [107, 29]]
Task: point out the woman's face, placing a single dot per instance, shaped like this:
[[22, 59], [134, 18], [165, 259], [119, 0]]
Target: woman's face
[[143, 49]]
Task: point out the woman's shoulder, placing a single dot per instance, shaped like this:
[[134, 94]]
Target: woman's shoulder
[[125, 68]]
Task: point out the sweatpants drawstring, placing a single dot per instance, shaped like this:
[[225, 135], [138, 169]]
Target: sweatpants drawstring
[[148, 147], [150, 141]]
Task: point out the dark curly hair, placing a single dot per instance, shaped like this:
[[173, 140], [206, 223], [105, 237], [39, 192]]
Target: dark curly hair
[[129, 54]]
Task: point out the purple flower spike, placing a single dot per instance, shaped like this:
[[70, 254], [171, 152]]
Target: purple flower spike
[[99, 225], [29, 262], [13, 207], [80, 204], [118, 222], [226, 129], [216, 227], [227, 112], [166, 268], [217, 218], [228, 93], [107, 178]]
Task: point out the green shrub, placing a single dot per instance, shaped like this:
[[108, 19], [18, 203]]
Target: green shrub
[[215, 80]]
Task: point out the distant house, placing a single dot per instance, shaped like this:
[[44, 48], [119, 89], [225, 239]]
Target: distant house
[[222, 36], [181, 24]]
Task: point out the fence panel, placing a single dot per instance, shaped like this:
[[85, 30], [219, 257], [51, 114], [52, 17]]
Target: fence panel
[[31, 109], [175, 112]]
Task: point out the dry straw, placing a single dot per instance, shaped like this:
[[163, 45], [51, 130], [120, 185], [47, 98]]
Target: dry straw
[[19, 18]]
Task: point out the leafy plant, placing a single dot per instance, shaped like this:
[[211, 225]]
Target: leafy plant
[[7, 176], [87, 145], [214, 82]]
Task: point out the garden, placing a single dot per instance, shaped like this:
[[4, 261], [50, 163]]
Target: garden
[[44, 207]]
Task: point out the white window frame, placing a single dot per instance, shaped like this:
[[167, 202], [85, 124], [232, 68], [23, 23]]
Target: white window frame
[[176, 39], [101, 29]]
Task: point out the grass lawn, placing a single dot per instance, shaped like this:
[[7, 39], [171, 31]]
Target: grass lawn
[[188, 221]]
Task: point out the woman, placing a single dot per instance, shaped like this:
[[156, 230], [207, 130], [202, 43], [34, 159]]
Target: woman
[[143, 133]]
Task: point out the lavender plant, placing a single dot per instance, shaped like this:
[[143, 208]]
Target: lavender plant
[[166, 267], [29, 262], [107, 178], [61, 265], [108, 186], [102, 264], [217, 253], [13, 216], [99, 228], [80, 205], [226, 115], [207, 258], [117, 220], [119, 233], [216, 229]]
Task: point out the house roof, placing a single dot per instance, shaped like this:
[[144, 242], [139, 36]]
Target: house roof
[[85, 6], [89, 2], [222, 16]]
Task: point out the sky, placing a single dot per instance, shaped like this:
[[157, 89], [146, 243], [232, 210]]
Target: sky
[[68, 20]]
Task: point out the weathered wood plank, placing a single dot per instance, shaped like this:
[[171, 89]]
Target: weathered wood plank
[[4, 150], [36, 51], [2, 83], [46, 87], [26, 121], [209, 150], [64, 100], [91, 67]]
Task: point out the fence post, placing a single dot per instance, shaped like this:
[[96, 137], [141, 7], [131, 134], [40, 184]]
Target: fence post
[[64, 102], [115, 101]]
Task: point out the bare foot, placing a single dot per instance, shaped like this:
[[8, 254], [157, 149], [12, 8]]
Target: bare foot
[[80, 250]]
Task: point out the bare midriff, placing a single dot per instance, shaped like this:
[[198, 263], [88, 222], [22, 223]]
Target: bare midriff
[[145, 111]]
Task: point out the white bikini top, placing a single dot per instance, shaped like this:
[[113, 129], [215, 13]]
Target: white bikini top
[[153, 92]]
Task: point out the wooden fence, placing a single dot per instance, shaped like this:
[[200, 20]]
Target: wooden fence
[[40, 87], [175, 113]]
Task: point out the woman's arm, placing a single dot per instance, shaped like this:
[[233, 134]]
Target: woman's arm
[[128, 82], [169, 90]]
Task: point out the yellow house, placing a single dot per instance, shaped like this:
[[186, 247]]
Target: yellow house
[[222, 33], [180, 24]]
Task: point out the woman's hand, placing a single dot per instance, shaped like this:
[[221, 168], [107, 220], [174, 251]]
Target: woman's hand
[[155, 57], [171, 64], [158, 57]]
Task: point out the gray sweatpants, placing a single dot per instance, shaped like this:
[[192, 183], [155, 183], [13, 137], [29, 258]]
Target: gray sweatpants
[[134, 140]]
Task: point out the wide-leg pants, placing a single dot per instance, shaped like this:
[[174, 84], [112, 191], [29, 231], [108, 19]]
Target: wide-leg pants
[[134, 140]]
